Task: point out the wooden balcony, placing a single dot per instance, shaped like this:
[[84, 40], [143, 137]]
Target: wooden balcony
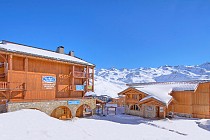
[[79, 74], [12, 86]]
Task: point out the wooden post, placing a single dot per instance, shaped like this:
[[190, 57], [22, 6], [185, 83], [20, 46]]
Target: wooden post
[[10, 62], [87, 78], [93, 79], [73, 77]]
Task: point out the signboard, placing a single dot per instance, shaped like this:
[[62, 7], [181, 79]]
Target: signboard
[[161, 109], [90, 87], [48, 82], [73, 102], [80, 87]]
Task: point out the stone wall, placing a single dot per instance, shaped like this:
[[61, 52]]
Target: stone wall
[[133, 112], [149, 111], [49, 106], [145, 111], [3, 108]]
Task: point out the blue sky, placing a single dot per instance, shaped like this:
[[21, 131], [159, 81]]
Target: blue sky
[[113, 33]]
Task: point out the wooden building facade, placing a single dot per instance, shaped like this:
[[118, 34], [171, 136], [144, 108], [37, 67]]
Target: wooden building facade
[[188, 99], [29, 74]]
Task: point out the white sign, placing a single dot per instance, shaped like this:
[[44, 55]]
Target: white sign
[[48, 82]]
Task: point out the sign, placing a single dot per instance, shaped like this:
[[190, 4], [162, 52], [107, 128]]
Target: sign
[[73, 102], [80, 87], [48, 79], [90, 87], [48, 82]]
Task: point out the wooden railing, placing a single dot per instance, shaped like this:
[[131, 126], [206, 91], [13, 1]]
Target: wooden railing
[[3, 85], [12, 86], [79, 74]]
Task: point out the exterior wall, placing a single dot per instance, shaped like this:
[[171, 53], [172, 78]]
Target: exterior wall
[[3, 108], [133, 112], [145, 111], [49, 106], [201, 101], [192, 104], [149, 111], [183, 102], [21, 69]]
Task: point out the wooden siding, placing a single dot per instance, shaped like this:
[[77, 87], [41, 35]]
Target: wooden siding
[[194, 103], [29, 70], [183, 102], [201, 101]]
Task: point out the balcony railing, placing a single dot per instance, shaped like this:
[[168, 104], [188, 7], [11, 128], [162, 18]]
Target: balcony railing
[[79, 74], [66, 88], [12, 86]]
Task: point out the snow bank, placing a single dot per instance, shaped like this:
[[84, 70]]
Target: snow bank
[[36, 125], [205, 124]]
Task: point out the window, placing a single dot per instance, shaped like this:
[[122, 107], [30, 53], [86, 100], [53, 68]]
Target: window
[[135, 96], [135, 107]]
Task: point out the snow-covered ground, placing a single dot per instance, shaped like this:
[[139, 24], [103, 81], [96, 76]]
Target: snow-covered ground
[[35, 125]]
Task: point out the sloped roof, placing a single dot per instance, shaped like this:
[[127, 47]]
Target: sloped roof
[[161, 91], [19, 48]]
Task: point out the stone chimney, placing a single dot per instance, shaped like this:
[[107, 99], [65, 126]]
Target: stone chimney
[[71, 53], [60, 49]]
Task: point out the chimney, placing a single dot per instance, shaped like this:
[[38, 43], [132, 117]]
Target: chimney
[[60, 49], [71, 53]]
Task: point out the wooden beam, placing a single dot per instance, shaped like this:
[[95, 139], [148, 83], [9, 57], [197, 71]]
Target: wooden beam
[[93, 80], [87, 78], [10, 62], [26, 64], [73, 70]]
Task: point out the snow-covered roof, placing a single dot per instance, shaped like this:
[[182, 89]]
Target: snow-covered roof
[[19, 48], [161, 91]]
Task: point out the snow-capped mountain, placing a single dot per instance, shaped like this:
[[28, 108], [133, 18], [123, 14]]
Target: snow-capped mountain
[[112, 81]]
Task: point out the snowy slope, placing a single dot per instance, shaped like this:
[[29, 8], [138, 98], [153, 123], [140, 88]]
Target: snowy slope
[[35, 125], [112, 81]]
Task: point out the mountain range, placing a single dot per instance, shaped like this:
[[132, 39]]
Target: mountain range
[[112, 81]]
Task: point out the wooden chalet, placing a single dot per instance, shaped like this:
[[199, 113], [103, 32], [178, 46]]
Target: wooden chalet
[[158, 100], [50, 81]]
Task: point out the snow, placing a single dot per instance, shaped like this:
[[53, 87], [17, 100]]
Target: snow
[[35, 125], [40, 52], [112, 81], [161, 91], [104, 87]]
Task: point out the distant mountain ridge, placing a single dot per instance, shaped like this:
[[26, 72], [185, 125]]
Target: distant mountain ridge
[[116, 79], [160, 74]]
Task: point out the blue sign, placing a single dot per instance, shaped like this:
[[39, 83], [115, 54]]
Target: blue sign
[[49, 79], [80, 87], [73, 102]]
